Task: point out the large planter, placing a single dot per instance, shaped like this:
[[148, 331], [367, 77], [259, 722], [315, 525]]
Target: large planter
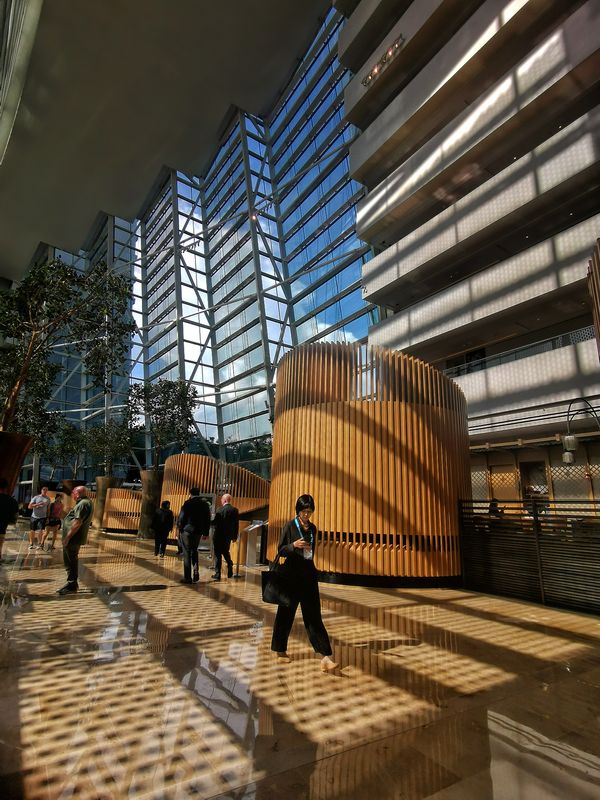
[[69, 484], [13, 449], [151, 488], [103, 484]]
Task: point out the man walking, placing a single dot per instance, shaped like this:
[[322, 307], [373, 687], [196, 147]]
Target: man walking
[[226, 531], [193, 522], [9, 510], [162, 522], [39, 510], [74, 534]]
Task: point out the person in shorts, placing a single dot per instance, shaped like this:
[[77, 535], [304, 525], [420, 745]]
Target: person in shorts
[[39, 512], [55, 516]]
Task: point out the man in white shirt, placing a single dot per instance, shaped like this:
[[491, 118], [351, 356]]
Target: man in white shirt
[[39, 511]]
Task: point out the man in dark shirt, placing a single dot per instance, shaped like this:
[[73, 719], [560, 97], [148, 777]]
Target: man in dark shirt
[[9, 509], [226, 531], [193, 522], [162, 522]]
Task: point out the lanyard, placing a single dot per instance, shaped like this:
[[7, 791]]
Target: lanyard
[[300, 531]]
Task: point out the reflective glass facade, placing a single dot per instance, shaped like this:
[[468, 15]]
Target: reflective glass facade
[[234, 267]]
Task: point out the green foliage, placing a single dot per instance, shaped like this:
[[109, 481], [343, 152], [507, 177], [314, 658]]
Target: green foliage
[[56, 303], [30, 417], [108, 443], [167, 408], [250, 449], [65, 446]]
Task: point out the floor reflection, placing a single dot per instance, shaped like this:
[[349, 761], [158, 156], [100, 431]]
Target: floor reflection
[[139, 687]]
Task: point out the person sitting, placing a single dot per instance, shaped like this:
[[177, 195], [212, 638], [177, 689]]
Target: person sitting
[[494, 510]]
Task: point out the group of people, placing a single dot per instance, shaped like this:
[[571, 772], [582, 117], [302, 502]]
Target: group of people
[[46, 519], [193, 524], [296, 545]]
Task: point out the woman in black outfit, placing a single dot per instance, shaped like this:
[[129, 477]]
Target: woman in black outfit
[[297, 546]]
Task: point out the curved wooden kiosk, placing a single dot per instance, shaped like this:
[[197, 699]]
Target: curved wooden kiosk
[[379, 438], [215, 478]]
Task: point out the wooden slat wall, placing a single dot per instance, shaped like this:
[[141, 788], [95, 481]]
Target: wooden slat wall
[[68, 500], [379, 438], [122, 510], [214, 477], [594, 289]]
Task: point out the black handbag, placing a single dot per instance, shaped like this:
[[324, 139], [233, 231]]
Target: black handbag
[[275, 586]]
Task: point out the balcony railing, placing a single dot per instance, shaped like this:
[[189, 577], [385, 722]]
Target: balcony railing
[[555, 343]]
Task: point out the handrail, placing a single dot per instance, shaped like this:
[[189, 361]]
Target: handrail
[[555, 343]]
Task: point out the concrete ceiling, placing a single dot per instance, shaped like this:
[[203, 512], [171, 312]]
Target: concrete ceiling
[[116, 90]]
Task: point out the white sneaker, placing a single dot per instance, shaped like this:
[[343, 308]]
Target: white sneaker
[[31, 547]]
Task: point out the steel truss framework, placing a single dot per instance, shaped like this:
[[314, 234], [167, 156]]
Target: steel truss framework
[[234, 268]]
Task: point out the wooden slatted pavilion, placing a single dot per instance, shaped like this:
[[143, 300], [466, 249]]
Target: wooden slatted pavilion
[[594, 289], [122, 510], [379, 438], [216, 478]]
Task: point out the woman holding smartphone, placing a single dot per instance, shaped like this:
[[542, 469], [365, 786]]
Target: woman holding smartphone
[[297, 547]]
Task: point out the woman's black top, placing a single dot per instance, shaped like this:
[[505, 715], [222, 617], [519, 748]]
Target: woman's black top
[[295, 562]]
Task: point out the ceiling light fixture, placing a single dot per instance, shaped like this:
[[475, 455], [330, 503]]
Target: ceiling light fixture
[[384, 61]]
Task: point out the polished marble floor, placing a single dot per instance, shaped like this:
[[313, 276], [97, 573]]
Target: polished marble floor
[[140, 687]]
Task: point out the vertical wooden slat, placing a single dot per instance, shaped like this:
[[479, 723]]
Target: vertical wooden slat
[[381, 439], [186, 470]]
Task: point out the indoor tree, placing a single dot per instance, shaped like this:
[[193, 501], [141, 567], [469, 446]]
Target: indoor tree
[[109, 442], [165, 410], [55, 303], [65, 446]]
